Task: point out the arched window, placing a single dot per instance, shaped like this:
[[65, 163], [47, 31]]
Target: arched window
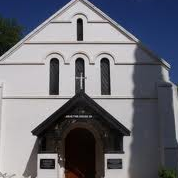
[[105, 77], [79, 30], [54, 77], [79, 75]]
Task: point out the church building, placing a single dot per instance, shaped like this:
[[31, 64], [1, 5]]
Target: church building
[[81, 97]]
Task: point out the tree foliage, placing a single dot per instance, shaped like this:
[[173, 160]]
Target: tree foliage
[[10, 34]]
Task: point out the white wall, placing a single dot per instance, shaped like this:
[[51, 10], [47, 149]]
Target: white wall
[[46, 173], [123, 80], [167, 104], [133, 101], [78, 8], [115, 172], [64, 28], [121, 53], [141, 148], [1, 85]]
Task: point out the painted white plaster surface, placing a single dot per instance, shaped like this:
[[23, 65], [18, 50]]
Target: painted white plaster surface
[[175, 100], [122, 53], [16, 84], [115, 172], [46, 173], [167, 99], [66, 31], [78, 8], [25, 115], [135, 100]]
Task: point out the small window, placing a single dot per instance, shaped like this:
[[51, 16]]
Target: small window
[[79, 30], [105, 77], [54, 76], [79, 75]]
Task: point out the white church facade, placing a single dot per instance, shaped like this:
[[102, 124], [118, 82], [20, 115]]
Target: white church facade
[[81, 97]]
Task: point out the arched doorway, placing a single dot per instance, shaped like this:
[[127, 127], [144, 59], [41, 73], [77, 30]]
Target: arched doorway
[[80, 154]]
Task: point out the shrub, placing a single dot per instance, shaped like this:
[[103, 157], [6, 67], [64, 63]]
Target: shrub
[[167, 173]]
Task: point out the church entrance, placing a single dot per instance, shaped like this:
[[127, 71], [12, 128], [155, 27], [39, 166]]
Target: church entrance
[[80, 154]]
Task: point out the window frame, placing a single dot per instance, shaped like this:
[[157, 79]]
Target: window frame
[[77, 82], [54, 82], [107, 90], [80, 29]]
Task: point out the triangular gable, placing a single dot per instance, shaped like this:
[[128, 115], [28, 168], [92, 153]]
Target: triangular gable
[[79, 7], [99, 12], [72, 103]]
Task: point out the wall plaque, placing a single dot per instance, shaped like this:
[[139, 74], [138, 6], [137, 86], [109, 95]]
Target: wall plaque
[[47, 163], [114, 163]]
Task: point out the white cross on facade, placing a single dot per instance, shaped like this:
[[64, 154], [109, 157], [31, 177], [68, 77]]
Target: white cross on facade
[[81, 78]]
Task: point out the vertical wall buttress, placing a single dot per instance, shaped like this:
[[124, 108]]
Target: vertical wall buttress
[[1, 88], [167, 108]]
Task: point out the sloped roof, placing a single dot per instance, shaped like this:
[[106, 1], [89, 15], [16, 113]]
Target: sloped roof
[[80, 99], [99, 12]]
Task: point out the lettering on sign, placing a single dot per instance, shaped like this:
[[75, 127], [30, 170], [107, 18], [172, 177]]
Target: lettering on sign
[[79, 116], [47, 163], [114, 163]]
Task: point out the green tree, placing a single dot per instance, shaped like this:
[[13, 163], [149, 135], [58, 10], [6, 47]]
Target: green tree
[[10, 34]]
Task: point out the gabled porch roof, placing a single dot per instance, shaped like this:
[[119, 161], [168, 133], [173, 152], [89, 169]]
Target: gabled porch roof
[[80, 99]]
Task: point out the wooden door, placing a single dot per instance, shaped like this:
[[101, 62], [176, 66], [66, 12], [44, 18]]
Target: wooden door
[[80, 154]]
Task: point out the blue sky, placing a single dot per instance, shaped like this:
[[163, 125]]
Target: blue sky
[[154, 22]]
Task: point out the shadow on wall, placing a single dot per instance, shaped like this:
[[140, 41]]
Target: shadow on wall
[[31, 167], [171, 145], [145, 146]]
